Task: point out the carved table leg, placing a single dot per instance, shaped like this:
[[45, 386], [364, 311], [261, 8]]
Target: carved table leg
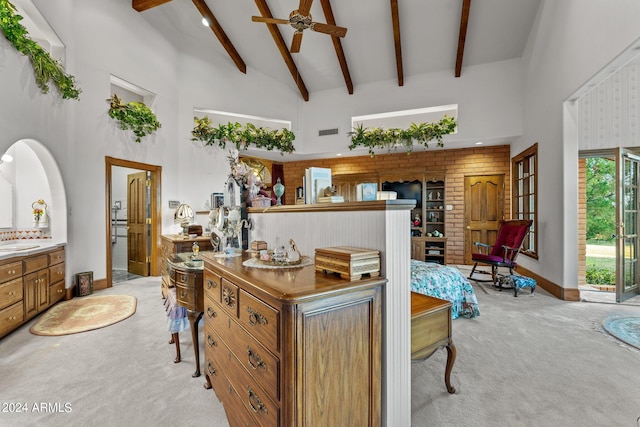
[[175, 338], [451, 358], [194, 319]]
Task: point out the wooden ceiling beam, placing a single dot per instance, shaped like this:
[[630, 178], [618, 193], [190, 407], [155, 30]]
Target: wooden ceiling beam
[[282, 47], [206, 13], [395, 19], [337, 45], [142, 5], [464, 21]]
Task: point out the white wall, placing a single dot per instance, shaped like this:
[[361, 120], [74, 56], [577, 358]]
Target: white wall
[[573, 40]]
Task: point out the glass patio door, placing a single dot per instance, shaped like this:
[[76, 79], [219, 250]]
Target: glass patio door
[[627, 213]]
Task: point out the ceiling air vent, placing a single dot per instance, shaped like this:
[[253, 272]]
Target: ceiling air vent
[[325, 132]]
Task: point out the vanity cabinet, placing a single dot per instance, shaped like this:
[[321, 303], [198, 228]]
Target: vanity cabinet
[[36, 285], [286, 347], [29, 285], [174, 244]]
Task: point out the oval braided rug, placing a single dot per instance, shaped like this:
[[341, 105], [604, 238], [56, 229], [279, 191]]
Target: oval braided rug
[[84, 314], [626, 329]]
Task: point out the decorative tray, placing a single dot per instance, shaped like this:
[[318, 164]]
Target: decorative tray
[[283, 263]]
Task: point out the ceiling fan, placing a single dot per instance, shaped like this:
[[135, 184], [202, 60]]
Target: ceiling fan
[[300, 19]]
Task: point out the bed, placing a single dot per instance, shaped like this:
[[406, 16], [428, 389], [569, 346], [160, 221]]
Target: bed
[[446, 283]]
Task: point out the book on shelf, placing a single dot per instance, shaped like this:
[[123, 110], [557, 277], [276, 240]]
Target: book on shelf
[[330, 199], [366, 191], [316, 180]]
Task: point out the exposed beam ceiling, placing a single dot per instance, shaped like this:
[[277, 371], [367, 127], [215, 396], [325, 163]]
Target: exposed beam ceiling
[[395, 19], [282, 47], [464, 21], [337, 45], [141, 5], [220, 34]]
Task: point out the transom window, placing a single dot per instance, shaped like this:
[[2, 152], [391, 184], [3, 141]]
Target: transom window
[[524, 168]]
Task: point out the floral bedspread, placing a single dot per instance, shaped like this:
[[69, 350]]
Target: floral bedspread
[[446, 283]]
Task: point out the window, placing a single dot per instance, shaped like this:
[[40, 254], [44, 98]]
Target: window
[[524, 168]]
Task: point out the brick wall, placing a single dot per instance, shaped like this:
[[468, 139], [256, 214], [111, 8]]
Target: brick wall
[[455, 164]]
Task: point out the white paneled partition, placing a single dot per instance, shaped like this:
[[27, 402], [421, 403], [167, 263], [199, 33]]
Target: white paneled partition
[[380, 225]]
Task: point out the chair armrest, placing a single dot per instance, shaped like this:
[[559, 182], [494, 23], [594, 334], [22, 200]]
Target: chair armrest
[[483, 248], [510, 253]]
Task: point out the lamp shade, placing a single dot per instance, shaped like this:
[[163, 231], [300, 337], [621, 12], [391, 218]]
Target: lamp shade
[[183, 215]]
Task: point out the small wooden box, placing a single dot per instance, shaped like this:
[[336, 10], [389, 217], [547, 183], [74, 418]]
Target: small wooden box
[[350, 263]]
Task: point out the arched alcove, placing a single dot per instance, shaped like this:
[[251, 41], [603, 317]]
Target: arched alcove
[[35, 175]]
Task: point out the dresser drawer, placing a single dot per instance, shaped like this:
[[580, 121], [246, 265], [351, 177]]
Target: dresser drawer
[[260, 362], [56, 292], [212, 285], [255, 400], [10, 271], [56, 257], [261, 320], [186, 296], [11, 317], [10, 292], [189, 279], [35, 263], [214, 315], [213, 371], [56, 273], [229, 295]]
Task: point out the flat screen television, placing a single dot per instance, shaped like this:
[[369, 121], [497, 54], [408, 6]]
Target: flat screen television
[[406, 190]]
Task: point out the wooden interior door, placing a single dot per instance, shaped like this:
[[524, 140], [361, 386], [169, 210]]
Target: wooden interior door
[[483, 210], [137, 224]]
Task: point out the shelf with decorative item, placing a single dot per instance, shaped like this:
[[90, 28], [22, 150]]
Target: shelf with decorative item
[[392, 138], [242, 136]]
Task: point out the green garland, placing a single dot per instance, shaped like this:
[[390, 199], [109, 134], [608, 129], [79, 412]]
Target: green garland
[[134, 116], [242, 137], [392, 138], [45, 67]]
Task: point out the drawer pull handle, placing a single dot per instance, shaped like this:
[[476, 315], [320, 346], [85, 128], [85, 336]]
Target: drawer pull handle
[[228, 296], [211, 284], [183, 294], [253, 356], [211, 312], [255, 317], [211, 341], [253, 398], [12, 293], [211, 369]]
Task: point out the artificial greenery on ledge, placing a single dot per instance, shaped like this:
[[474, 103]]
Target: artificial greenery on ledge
[[45, 67], [134, 116], [242, 136], [376, 138]]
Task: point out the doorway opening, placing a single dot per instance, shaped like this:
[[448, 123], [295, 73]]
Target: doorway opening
[[133, 219], [608, 226]]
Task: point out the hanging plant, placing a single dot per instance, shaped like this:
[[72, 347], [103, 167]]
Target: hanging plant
[[242, 136], [376, 138], [45, 67], [134, 116]]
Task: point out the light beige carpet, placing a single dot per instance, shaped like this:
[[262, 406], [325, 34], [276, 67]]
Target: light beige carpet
[[84, 314]]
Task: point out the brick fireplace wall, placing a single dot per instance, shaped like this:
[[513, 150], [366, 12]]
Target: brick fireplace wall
[[455, 163]]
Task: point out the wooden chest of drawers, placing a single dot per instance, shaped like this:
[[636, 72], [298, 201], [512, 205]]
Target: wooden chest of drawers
[[276, 346]]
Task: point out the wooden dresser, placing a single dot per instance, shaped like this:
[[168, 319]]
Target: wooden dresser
[[173, 244], [29, 284], [292, 347]]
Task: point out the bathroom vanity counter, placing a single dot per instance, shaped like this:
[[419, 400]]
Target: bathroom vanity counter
[[23, 247]]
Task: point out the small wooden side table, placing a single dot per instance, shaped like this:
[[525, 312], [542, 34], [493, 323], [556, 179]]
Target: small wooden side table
[[431, 330]]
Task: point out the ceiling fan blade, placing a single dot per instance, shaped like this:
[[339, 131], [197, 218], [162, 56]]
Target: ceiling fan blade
[[269, 20], [295, 43], [305, 7], [329, 29]]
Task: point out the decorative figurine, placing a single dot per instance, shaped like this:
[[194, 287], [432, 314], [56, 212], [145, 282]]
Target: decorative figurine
[[417, 221]]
